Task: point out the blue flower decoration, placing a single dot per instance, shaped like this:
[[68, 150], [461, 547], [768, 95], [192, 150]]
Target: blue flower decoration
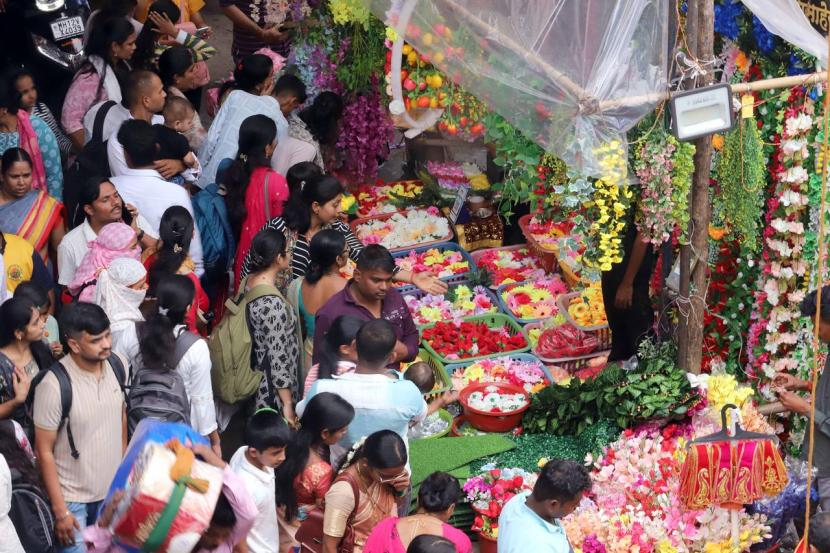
[[796, 66], [763, 38], [726, 19]]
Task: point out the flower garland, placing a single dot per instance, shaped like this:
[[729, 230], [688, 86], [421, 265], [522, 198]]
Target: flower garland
[[781, 288], [664, 166], [741, 174], [611, 200]]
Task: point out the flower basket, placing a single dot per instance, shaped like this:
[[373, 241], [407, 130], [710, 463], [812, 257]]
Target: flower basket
[[547, 257], [573, 364], [564, 302], [372, 198], [494, 320], [527, 357], [363, 220], [447, 418], [442, 380], [490, 421], [479, 254], [456, 280], [444, 246], [505, 288]]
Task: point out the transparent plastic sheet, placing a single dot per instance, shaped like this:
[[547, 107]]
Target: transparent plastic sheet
[[571, 74]]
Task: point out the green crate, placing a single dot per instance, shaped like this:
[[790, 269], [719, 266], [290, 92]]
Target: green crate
[[441, 375], [492, 320]]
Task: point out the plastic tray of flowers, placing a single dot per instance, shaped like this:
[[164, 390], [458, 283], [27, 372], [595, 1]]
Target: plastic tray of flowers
[[443, 247], [451, 369], [453, 281], [564, 302], [363, 220], [547, 257], [535, 303], [573, 364], [494, 320], [478, 254]]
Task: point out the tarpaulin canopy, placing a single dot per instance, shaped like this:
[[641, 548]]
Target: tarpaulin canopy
[[561, 71]]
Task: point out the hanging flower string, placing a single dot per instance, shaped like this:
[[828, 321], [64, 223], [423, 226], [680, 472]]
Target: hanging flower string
[[611, 200]]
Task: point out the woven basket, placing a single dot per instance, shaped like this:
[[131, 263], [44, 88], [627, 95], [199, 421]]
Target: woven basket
[[547, 258], [441, 376]]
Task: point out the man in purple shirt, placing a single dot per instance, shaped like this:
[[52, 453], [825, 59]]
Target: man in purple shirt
[[371, 295]]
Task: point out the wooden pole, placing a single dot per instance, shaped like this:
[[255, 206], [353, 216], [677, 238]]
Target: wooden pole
[[690, 343]]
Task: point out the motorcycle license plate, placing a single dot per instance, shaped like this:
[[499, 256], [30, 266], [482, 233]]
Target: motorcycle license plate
[[67, 27]]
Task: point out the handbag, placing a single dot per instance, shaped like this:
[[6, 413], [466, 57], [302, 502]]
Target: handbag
[[310, 533]]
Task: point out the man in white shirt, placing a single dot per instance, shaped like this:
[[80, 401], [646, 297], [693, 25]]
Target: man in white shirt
[[143, 99], [144, 187], [102, 205]]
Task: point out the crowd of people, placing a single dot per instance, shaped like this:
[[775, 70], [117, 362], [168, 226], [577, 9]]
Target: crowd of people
[[157, 266]]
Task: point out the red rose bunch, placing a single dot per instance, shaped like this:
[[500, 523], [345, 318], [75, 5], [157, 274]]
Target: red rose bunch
[[471, 339]]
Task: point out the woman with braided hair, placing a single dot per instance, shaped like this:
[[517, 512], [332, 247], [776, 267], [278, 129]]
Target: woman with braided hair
[[171, 258]]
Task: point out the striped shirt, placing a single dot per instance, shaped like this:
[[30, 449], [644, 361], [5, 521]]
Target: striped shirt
[[301, 258], [96, 418], [42, 110]]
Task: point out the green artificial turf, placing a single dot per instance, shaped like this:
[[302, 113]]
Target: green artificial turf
[[532, 447], [449, 454]]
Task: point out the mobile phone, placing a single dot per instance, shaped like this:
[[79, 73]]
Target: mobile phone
[[202, 32]]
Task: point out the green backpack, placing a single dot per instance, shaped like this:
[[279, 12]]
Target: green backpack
[[234, 375]]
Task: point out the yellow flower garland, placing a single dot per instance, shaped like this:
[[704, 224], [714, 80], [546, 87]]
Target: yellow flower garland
[[612, 197]]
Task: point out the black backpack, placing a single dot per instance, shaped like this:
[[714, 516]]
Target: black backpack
[[31, 516], [160, 395], [65, 386], [91, 162]]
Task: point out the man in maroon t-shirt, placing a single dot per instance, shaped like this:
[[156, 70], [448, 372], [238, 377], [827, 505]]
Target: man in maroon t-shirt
[[371, 295]]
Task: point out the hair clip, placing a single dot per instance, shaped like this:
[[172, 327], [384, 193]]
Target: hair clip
[[177, 248], [302, 185], [163, 311], [244, 158]]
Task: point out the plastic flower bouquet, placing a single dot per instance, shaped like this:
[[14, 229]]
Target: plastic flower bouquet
[[436, 262], [508, 266], [409, 228], [528, 374], [490, 491], [533, 299], [458, 302]]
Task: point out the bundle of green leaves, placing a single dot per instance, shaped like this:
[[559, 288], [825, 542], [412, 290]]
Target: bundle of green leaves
[[656, 389]]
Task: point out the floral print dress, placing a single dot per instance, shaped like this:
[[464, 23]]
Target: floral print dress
[[275, 348]]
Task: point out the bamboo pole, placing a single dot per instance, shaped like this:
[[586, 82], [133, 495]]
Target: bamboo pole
[[691, 329], [552, 73]]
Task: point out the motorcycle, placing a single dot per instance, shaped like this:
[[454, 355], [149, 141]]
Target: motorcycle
[[56, 28]]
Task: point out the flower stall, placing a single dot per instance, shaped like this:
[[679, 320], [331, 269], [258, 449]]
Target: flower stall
[[575, 180]]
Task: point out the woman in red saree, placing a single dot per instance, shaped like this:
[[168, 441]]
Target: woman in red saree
[[254, 192], [306, 475], [33, 215]]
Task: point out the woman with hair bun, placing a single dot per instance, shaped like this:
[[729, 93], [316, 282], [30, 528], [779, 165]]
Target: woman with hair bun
[[437, 498], [275, 342]]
